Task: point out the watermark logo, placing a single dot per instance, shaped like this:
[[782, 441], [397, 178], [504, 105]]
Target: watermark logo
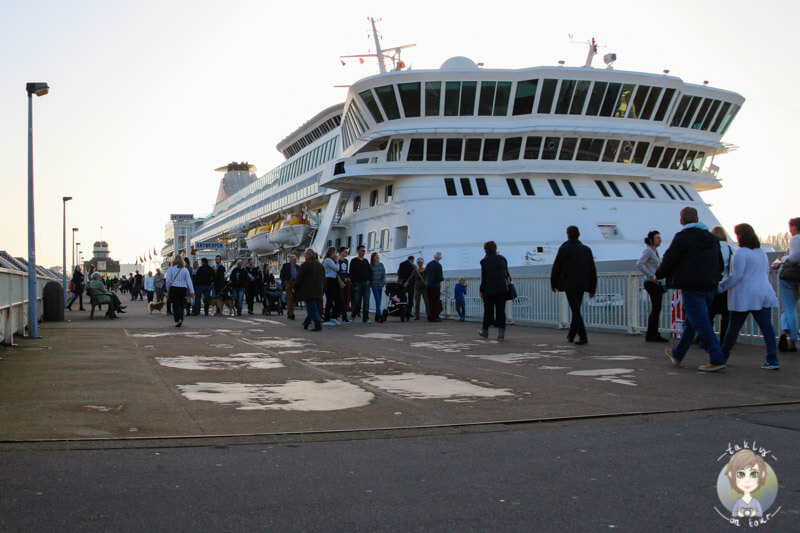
[[747, 485]]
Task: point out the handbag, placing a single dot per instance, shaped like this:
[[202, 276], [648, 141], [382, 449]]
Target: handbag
[[341, 282], [790, 271], [512, 292]]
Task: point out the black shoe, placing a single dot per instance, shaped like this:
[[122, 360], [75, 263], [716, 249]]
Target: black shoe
[[290, 317], [317, 329], [581, 341], [81, 309], [783, 343], [305, 325], [570, 338]]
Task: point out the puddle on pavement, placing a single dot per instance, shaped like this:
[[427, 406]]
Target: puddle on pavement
[[236, 361], [441, 333], [616, 357], [268, 321], [153, 334], [546, 367], [104, 408], [383, 336], [280, 342], [349, 361], [444, 346], [512, 358], [331, 395], [622, 376], [221, 345], [427, 387]]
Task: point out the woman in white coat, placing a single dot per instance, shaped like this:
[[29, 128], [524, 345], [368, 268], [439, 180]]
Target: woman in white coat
[[749, 291]]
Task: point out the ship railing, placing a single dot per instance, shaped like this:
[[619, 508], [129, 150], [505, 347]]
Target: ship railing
[[620, 305]]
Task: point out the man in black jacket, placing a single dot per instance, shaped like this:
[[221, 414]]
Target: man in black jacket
[[405, 275], [361, 275], [693, 263], [239, 282], [203, 279], [574, 273], [288, 276], [219, 275]]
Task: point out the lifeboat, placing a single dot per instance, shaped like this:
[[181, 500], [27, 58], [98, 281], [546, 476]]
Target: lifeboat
[[290, 232]]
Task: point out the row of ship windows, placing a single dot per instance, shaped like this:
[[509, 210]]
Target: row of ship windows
[[547, 148], [674, 192], [317, 133], [388, 194], [283, 173], [374, 242], [545, 96]]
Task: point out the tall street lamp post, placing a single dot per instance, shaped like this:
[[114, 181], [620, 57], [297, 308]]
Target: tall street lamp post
[[64, 200], [74, 230], [39, 89]]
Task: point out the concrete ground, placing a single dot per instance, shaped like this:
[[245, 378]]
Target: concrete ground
[[253, 423]]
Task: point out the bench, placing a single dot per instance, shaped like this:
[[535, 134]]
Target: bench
[[96, 303]]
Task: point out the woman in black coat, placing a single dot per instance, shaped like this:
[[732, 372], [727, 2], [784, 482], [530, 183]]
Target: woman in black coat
[[494, 290], [574, 273]]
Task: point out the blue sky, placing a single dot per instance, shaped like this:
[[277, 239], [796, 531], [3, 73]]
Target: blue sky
[[148, 98]]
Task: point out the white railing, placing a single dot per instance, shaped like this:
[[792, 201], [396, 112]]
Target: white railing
[[14, 302], [620, 305]]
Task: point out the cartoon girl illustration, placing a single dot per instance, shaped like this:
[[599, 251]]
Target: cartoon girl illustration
[[746, 472]]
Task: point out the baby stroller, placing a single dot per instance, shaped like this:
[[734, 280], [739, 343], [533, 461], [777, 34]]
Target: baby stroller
[[398, 301], [272, 300]]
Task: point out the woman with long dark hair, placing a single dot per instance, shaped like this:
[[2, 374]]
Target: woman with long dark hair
[[333, 293], [494, 290], [750, 292], [648, 264]]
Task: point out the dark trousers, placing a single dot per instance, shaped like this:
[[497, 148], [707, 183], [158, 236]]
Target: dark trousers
[[250, 295], [656, 292], [76, 296], [719, 306], [435, 299], [177, 297], [312, 310], [576, 326], [494, 311], [763, 318], [333, 298]]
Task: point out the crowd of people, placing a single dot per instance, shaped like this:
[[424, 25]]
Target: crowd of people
[[713, 279]]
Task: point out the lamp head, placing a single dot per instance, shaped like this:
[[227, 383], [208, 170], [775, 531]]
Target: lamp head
[[66, 198], [39, 88], [74, 229]]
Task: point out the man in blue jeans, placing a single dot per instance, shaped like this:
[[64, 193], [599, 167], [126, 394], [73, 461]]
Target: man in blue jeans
[[360, 275], [693, 263], [239, 281]]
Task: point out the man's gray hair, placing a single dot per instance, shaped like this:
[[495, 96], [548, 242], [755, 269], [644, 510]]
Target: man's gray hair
[[310, 252], [437, 255]]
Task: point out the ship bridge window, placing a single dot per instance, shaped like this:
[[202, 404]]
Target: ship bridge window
[[526, 184], [388, 193], [568, 145], [433, 96], [389, 101], [688, 197], [532, 147], [690, 111], [410, 98], [372, 105], [450, 187], [641, 152], [701, 114], [554, 186], [624, 100], [494, 98], [395, 150], [698, 162], [666, 100], [579, 98], [511, 148], [550, 147], [546, 98], [472, 150], [678, 161], [481, 184], [638, 100], [602, 187], [523, 99], [434, 150], [647, 190], [726, 122], [712, 112], [452, 150], [624, 155], [610, 153], [669, 153], [614, 188], [609, 102], [512, 186], [636, 189], [596, 99], [655, 156], [373, 198], [589, 150], [459, 98], [466, 186], [565, 96], [491, 149], [415, 149], [666, 190], [650, 105]]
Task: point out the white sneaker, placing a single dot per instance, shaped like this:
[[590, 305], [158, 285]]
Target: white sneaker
[[335, 322], [347, 321], [328, 323], [368, 321]]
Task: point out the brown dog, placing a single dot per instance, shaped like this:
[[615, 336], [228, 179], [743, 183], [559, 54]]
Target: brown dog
[[220, 301], [157, 306]]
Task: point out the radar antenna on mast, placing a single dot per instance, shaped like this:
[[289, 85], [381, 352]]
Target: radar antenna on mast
[[392, 54], [608, 59]]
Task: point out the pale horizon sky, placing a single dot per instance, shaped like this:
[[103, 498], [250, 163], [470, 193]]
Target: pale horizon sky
[[148, 97]]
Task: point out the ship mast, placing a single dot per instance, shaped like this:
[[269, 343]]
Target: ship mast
[[378, 49], [383, 54]]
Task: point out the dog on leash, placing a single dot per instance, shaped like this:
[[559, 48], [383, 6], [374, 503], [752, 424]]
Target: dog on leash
[[220, 301], [157, 306]]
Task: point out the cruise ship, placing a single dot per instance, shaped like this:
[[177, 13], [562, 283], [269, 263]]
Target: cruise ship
[[419, 161]]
